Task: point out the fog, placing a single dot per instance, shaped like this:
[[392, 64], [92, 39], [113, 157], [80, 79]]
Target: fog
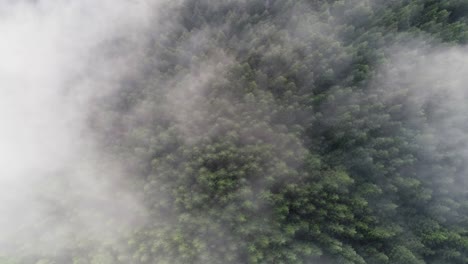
[[89, 105], [53, 67], [429, 82]]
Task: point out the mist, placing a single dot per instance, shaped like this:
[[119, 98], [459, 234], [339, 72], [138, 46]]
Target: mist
[[54, 67], [202, 131], [429, 81]]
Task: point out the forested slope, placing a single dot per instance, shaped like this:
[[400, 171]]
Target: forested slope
[[291, 131]]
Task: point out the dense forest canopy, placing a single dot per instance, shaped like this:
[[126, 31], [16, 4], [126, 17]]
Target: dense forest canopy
[[262, 131]]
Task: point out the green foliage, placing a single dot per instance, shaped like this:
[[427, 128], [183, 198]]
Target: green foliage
[[285, 155]]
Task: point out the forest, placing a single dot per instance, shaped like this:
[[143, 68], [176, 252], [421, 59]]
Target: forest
[[275, 131]]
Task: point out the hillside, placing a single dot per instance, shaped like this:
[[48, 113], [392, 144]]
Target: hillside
[[276, 131]]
